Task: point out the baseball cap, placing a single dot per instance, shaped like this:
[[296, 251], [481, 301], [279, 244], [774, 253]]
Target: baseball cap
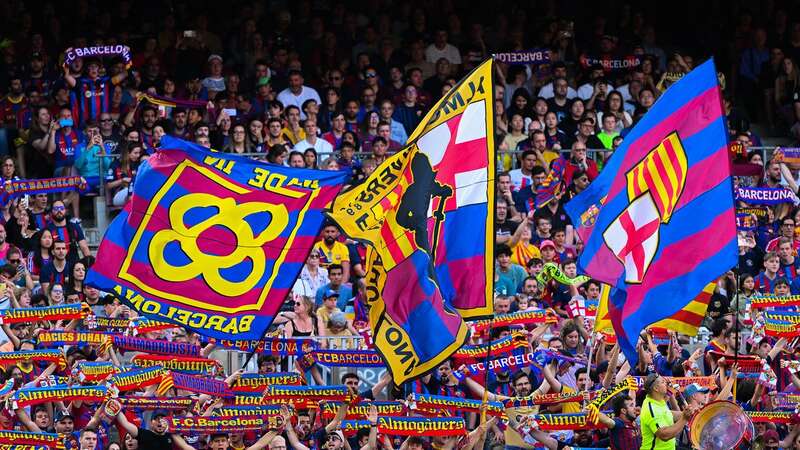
[[338, 434], [338, 318], [692, 389], [331, 293], [546, 243], [213, 57], [262, 81], [771, 437], [62, 414], [649, 381]]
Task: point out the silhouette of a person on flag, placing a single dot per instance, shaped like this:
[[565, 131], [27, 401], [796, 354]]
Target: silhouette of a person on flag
[[412, 214]]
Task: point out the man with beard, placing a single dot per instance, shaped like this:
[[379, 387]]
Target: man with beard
[[624, 432], [70, 232], [331, 251], [149, 118], [57, 269]]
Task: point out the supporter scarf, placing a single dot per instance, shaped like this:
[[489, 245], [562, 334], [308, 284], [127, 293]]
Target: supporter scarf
[[252, 382], [170, 102], [780, 328], [754, 210], [153, 403], [348, 358], [222, 424], [184, 364], [271, 346], [350, 427], [314, 393], [135, 326], [518, 318], [559, 422], [155, 346], [783, 316], [758, 302], [551, 271], [196, 384], [23, 447], [35, 396], [607, 394], [416, 426], [611, 64], [787, 401], [265, 410], [359, 411], [93, 370], [137, 378], [776, 417], [535, 56], [63, 338], [99, 51], [17, 188], [60, 312], [427, 401], [516, 359], [788, 155], [53, 380], [745, 222], [51, 440], [6, 387], [748, 364], [51, 356], [709, 382], [793, 365], [544, 399], [765, 195], [498, 347]]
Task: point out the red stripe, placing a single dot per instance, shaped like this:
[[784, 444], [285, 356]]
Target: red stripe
[[663, 174], [688, 318], [673, 158], [648, 179]]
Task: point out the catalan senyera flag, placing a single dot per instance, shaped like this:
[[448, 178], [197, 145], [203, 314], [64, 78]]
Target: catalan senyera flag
[[659, 222], [414, 213], [213, 241]]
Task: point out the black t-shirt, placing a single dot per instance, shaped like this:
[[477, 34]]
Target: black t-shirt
[[152, 441], [507, 228], [559, 219]]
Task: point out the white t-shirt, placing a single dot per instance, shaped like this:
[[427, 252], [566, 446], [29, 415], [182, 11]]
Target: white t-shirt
[[519, 180], [323, 147], [306, 93], [546, 91], [449, 52]]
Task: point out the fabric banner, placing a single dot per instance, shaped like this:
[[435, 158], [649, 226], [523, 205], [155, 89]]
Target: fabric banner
[[50, 356], [544, 399], [35, 396], [155, 346], [184, 364], [497, 347], [153, 403], [62, 338], [427, 401], [787, 401], [135, 326], [788, 155], [137, 378], [222, 424], [745, 222], [766, 196], [60, 312], [416, 426], [687, 321], [252, 382], [211, 241], [271, 346], [535, 56], [517, 318], [92, 371], [664, 196], [50, 440], [423, 275], [611, 64], [360, 411], [709, 382], [99, 51]]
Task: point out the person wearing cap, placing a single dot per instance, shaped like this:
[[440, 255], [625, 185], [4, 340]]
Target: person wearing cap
[[659, 425], [214, 82], [297, 93], [548, 251]]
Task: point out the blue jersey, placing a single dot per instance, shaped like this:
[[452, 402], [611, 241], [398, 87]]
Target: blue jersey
[[90, 98]]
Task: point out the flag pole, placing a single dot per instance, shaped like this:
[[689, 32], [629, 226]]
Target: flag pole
[[736, 280]]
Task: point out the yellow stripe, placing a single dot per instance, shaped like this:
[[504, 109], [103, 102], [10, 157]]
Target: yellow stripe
[[661, 190], [696, 307], [663, 154], [678, 326]]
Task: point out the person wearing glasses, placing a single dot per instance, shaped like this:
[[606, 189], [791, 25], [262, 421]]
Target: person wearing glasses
[[68, 232]]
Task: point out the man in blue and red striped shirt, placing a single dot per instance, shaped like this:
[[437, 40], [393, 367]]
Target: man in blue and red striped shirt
[[91, 95], [624, 432]]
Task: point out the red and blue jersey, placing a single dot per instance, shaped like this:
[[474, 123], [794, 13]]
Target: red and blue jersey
[[89, 98], [66, 145]]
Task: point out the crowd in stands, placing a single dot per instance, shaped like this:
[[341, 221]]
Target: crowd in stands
[[341, 85]]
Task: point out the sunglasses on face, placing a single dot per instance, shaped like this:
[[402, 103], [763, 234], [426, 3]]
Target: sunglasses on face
[[59, 208]]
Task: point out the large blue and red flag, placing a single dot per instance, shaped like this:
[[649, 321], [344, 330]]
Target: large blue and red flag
[[427, 215], [212, 241], [659, 222]]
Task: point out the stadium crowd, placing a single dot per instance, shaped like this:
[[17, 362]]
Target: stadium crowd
[[342, 85]]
